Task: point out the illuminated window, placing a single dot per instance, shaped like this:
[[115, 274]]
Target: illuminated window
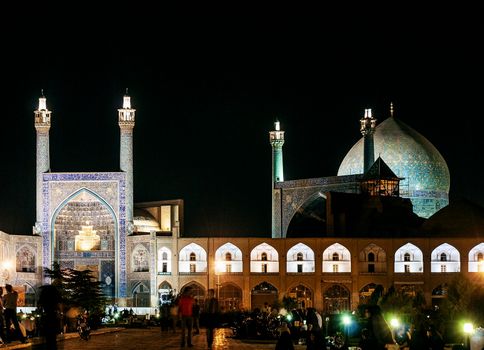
[[299, 257], [193, 257], [164, 267], [228, 268], [164, 256], [299, 268], [443, 268], [228, 256], [335, 268], [335, 257], [443, 257], [407, 268], [406, 257], [263, 256], [193, 268]]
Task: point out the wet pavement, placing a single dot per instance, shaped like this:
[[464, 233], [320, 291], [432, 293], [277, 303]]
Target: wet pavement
[[146, 339]]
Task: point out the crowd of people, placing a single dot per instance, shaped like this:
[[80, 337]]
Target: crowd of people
[[186, 311]]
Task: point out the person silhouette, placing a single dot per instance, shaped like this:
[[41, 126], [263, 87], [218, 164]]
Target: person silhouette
[[50, 305], [10, 305]]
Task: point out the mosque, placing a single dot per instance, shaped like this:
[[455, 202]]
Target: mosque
[[384, 221]]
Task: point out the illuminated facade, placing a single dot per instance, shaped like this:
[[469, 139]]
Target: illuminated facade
[[140, 253]]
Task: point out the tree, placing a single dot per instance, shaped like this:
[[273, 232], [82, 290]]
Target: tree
[[79, 289]]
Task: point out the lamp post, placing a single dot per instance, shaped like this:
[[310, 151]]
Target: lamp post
[[218, 270], [346, 324], [395, 324], [468, 330]]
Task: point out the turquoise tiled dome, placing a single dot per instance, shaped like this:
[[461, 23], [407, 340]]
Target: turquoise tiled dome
[[411, 156]]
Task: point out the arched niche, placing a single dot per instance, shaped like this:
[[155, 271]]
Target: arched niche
[[300, 258], [140, 258], [372, 259], [336, 259], [445, 258], [192, 259], [228, 259], [476, 258], [408, 259], [264, 259]]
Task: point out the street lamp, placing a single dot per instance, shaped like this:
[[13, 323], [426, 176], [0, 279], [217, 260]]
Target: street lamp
[[346, 323], [468, 330], [219, 266]]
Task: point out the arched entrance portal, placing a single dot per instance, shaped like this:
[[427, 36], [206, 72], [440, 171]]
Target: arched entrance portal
[[141, 295], [302, 295], [263, 294], [84, 232], [336, 299], [230, 297]]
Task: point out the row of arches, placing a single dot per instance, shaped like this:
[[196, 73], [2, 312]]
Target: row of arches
[[301, 259], [336, 297]]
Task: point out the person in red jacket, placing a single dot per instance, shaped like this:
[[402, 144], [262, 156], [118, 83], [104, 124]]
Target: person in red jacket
[[185, 307]]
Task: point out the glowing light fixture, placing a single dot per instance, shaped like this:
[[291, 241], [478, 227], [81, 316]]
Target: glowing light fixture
[[87, 239]]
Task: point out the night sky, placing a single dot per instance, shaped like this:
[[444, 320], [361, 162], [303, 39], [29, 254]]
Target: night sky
[[208, 85]]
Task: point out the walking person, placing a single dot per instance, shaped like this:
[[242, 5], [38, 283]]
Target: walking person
[[185, 307], [10, 313], [212, 311], [196, 317], [2, 321]]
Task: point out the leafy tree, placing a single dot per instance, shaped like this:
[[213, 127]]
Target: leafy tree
[[463, 299]]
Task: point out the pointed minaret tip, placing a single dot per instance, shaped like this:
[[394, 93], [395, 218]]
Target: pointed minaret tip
[[42, 101], [126, 94], [277, 125]]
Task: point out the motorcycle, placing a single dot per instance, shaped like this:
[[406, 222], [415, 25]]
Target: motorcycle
[[83, 328]]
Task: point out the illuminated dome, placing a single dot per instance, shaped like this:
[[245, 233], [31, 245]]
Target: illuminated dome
[[144, 221], [411, 156]]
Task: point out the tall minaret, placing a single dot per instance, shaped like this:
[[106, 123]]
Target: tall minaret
[[367, 128], [126, 125], [276, 138], [42, 127]]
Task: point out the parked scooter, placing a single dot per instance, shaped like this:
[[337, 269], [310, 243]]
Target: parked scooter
[[83, 327]]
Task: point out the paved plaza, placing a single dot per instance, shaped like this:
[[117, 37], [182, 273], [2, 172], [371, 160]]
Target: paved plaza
[[146, 339]]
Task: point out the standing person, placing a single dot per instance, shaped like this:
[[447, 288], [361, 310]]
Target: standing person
[[185, 306], [50, 305], [285, 341], [10, 305], [435, 339], [379, 332], [212, 311], [173, 315], [2, 322], [196, 317]]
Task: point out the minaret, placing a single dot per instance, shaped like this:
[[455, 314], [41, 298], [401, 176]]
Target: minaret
[[276, 138], [126, 125], [42, 127], [367, 128]]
